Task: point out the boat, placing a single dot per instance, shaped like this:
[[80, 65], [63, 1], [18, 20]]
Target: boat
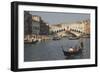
[[56, 38], [73, 38], [86, 36], [31, 42], [72, 51]]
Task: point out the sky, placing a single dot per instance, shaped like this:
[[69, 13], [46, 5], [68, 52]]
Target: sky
[[59, 17]]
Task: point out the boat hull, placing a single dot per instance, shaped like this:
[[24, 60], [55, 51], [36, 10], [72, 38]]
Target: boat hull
[[73, 38], [67, 53], [33, 42]]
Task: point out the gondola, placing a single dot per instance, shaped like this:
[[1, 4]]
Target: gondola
[[32, 42], [71, 51]]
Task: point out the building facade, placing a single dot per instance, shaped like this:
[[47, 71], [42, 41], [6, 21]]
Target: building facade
[[36, 25], [27, 23], [87, 27], [44, 28], [39, 27]]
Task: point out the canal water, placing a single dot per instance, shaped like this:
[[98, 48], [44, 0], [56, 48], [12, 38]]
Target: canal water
[[52, 50]]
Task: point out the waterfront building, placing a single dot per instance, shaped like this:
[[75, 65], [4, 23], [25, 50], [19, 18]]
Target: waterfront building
[[87, 27], [36, 24], [27, 23], [44, 28], [39, 27]]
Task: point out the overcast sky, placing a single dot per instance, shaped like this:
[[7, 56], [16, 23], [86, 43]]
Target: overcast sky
[[56, 17]]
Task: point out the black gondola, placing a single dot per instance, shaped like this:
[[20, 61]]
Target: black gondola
[[32, 42], [71, 51]]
